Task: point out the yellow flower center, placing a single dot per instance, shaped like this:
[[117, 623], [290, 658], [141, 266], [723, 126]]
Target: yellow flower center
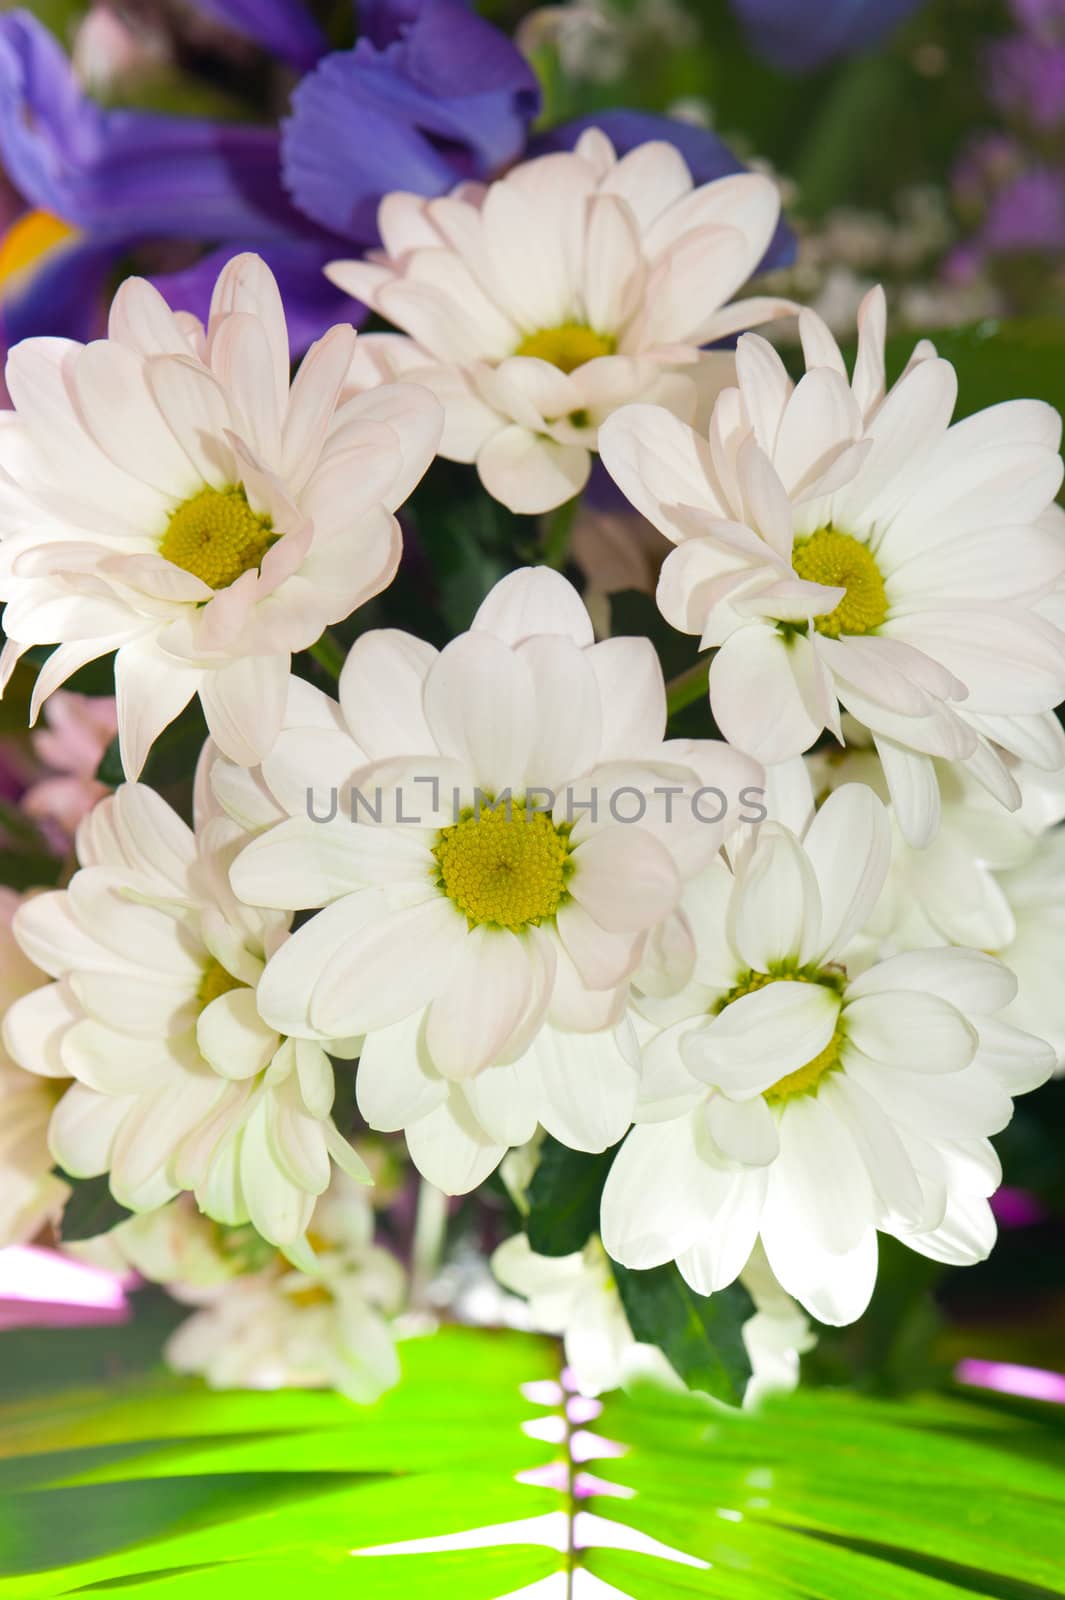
[[216, 981], [838, 560], [568, 346], [216, 536], [807, 1078], [503, 867]]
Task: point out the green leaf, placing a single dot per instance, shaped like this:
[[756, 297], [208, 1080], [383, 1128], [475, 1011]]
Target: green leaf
[[23, 869], [563, 1198], [163, 1482], [701, 1335], [824, 1496], [91, 1209], [1017, 359], [162, 1487], [173, 756]]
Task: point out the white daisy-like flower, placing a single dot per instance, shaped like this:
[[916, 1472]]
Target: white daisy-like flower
[[952, 891], [166, 493], [790, 1099], [843, 546], [500, 833], [991, 879], [259, 1323], [537, 305], [180, 1084], [31, 1194], [576, 1297]]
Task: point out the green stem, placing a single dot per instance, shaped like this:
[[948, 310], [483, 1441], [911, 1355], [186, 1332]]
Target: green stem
[[557, 532], [572, 1505], [427, 1246], [688, 686], [329, 655]]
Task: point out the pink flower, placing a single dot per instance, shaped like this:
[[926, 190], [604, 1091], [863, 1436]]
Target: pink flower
[[79, 729]]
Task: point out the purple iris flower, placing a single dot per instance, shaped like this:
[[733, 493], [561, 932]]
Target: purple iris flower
[[284, 28], [799, 35], [123, 178], [430, 95]]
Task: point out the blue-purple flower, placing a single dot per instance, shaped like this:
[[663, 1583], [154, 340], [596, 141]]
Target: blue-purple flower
[[430, 95], [798, 35]]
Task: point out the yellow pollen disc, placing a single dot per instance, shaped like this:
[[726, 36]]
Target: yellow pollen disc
[[216, 536], [568, 346], [807, 1078], [507, 871], [314, 1295], [216, 981], [843, 562]]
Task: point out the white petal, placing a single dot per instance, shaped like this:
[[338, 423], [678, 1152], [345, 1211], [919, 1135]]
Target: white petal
[[585, 1086], [762, 1037], [396, 1083], [479, 701], [660, 1194], [914, 787], [151, 689], [386, 968], [472, 1019], [301, 863], [531, 473], [746, 1131], [503, 1100], [244, 704], [921, 1032], [233, 1037], [451, 1149], [381, 689], [775, 911], [624, 878], [849, 845], [722, 1247], [758, 695], [530, 601], [970, 980], [632, 695]]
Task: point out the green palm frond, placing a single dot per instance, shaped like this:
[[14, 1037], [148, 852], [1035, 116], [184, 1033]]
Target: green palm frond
[[157, 1486]]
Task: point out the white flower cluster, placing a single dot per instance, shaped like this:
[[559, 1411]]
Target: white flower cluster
[[759, 964]]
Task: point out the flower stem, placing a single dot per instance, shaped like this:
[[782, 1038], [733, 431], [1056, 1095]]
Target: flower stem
[[427, 1244], [328, 654], [688, 686], [557, 533]]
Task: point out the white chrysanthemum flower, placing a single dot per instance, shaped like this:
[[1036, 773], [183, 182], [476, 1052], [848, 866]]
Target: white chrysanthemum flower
[[180, 1084], [260, 1324], [508, 834], [165, 493], [30, 1192], [991, 879], [845, 547], [788, 1099], [576, 1297], [537, 305], [951, 891]]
